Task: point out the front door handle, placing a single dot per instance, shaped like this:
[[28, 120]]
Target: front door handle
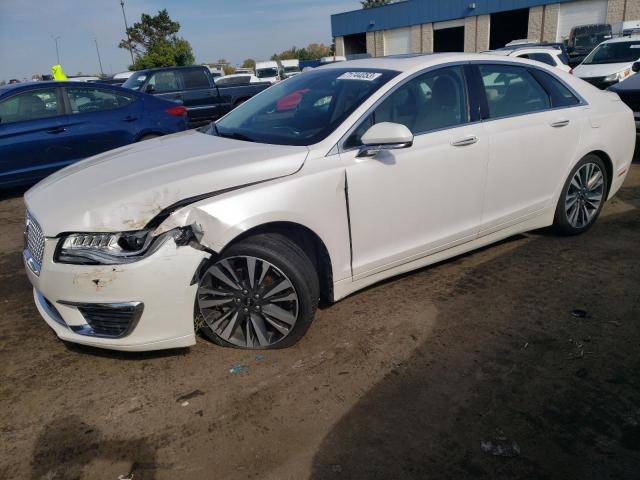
[[56, 130], [560, 123], [130, 119], [463, 142]]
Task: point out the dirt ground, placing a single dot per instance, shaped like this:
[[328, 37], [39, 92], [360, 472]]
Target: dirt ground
[[403, 380]]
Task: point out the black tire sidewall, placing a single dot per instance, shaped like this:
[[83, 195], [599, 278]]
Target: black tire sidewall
[[561, 222], [294, 263]]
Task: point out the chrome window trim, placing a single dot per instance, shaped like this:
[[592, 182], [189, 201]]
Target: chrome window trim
[[338, 147]]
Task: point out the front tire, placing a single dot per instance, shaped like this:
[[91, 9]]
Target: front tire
[[261, 293], [582, 197]]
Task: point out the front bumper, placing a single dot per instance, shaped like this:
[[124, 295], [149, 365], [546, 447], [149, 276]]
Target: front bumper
[[160, 282]]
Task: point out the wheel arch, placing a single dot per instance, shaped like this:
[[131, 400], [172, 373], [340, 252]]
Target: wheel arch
[[309, 241]]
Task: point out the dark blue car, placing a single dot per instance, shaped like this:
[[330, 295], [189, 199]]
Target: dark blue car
[[47, 125]]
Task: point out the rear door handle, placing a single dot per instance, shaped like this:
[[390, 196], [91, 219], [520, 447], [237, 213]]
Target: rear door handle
[[130, 119], [56, 130], [463, 142], [560, 123]]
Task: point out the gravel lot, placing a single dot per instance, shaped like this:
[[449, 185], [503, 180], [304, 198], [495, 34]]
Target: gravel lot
[[403, 380]]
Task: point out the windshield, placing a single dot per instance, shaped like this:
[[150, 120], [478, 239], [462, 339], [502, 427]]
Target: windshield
[[135, 81], [620, 52], [267, 72], [304, 109]]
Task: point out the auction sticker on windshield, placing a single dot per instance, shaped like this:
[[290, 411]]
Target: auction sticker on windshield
[[366, 76]]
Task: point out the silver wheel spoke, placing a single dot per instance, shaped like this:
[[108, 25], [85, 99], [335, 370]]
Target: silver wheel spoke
[[276, 325], [212, 291], [260, 329], [288, 298], [231, 325], [251, 270], [220, 275], [283, 285], [279, 314], [584, 196], [216, 323], [215, 303]]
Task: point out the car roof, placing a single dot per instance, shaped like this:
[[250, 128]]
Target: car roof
[[542, 48], [632, 38], [16, 87], [413, 62]]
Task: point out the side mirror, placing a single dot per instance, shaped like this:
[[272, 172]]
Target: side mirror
[[149, 89], [385, 136], [636, 67]]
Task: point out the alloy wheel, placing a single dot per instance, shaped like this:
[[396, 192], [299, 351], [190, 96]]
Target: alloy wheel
[[248, 301], [584, 195]]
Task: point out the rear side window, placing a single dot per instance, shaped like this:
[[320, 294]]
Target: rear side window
[[512, 90], [561, 96], [540, 57], [88, 100], [32, 105], [195, 78]]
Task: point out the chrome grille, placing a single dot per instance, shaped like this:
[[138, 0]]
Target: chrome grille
[[33, 238]]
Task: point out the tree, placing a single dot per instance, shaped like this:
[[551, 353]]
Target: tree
[[226, 67], [313, 51], [374, 3], [249, 63], [155, 43]]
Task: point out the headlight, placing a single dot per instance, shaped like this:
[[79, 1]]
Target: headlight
[[109, 248], [619, 76]]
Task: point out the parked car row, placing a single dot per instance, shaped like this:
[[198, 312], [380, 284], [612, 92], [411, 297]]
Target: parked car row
[[47, 125]]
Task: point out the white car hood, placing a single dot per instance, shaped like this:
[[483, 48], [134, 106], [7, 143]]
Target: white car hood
[[599, 70], [125, 188]]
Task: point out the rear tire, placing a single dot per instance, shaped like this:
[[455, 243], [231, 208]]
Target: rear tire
[[582, 197], [261, 293]]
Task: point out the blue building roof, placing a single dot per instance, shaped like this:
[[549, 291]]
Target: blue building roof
[[416, 12]]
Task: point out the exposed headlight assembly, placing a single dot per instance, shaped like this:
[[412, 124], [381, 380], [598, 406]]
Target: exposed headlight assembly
[[113, 248], [618, 76]]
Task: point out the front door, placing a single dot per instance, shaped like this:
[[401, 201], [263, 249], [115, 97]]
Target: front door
[[32, 136], [409, 203]]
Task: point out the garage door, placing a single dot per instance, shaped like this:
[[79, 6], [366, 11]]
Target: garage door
[[397, 41], [581, 12]]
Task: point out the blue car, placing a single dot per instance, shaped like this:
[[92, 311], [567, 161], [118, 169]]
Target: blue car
[[47, 125]]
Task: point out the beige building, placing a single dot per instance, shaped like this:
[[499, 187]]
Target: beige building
[[384, 30]]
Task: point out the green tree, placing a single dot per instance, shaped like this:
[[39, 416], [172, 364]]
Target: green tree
[[313, 51], [249, 63], [155, 43], [226, 67], [374, 3]]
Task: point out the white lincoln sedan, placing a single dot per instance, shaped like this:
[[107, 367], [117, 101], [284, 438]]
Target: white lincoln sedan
[[318, 187]]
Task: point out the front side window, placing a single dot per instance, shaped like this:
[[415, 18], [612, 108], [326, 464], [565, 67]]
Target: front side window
[[164, 82], [304, 109], [432, 101], [32, 105], [616, 52], [196, 78], [512, 91], [88, 100], [135, 81]]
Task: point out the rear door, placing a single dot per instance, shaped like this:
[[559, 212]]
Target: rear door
[[32, 135], [199, 95], [534, 122], [101, 119]]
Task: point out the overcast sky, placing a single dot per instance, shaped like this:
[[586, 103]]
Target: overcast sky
[[231, 29]]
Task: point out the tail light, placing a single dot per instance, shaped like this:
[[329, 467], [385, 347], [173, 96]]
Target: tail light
[[177, 111]]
